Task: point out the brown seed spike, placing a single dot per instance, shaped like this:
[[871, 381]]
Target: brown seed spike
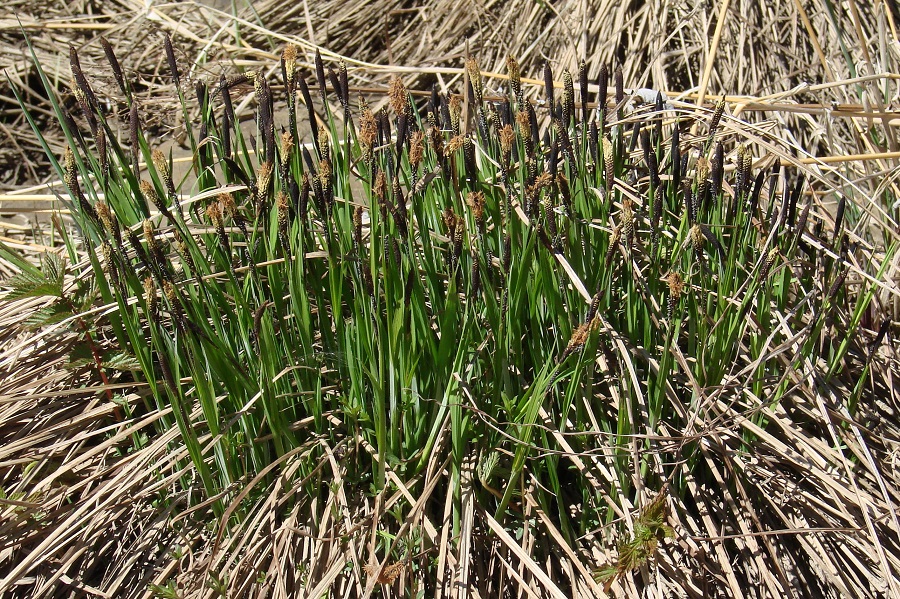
[[455, 114], [287, 145], [152, 300], [475, 78], [174, 299], [515, 82], [70, 170], [523, 122], [455, 144], [656, 216], [580, 337], [608, 163], [767, 264], [507, 139], [229, 207], [324, 148], [289, 55], [714, 122], [676, 287], [506, 261], [368, 133], [109, 221], [283, 220], [386, 575], [150, 194], [109, 265], [397, 95], [155, 250], [696, 236], [162, 169], [416, 148], [263, 180], [613, 245], [185, 252], [702, 181], [628, 220], [475, 200]]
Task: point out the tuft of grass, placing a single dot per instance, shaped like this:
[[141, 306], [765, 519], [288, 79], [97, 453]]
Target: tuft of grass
[[336, 328]]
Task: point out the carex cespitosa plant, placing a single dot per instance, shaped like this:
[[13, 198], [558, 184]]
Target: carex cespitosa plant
[[469, 275]]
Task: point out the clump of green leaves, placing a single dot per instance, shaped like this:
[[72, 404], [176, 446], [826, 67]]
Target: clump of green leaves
[[422, 287]]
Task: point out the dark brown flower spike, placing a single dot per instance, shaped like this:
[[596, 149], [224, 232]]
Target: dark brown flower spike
[[307, 99], [345, 87], [548, 87], [184, 250], [70, 178], [718, 170], [398, 209], [583, 90], [603, 88], [839, 218], [801, 223], [114, 65], [568, 102], [158, 260], [303, 204], [103, 156], [357, 228], [656, 216], [173, 64], [620, 92], [675, 157], [796, 192], [80, 80], [320, 75]]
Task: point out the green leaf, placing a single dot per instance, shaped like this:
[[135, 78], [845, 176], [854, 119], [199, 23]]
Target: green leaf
[[46, 282], [17, 260], [46, 316], [122, 361], [80, 357]]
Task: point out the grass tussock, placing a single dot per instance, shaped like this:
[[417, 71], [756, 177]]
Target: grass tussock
[[598, 341]]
